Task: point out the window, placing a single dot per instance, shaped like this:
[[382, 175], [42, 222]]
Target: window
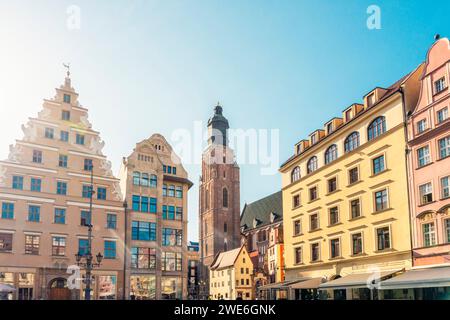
[[329, 128], [295, 174], [174, 170], [153, 205], [136, 203], [312, 164], [17, 182], [110, 249], [298, 255], [357, 245], [355, 208], [225, 229], [111, 221], [66, 98], [171, 191], [353, 175], [351, 142], [83, 245], [429, 234], [315, 252], [426, 193], [136, 178], [164, 169], [34, 213], [332, 185], [439, 85], [169, 169], [86, 191], [85, 218], [225, 197], [383, 238], [313, 139], [312, 193], [144, 180], [378, 165], [314, 222], [370, 100], [334, 215], [60, 216], [297, 227], [58, 246], [348, 115], [423, 156], [6, 241], [64, 136], [296, 201], [164, 190], [179, 213], [153, 181], [171, 237], [31, 244], [35, 184], [171, 261], [335, 250], [37, 156], [442, 115], [65, 115], [179, 194], [445, 187], [376, 128], [421, 125], [79, 139], [447, 229], [444, 147], [88, 165], [49, 133], [145, 231], [101, 193], [61, 188], [331, 154], [381, 200], [143, 258], [7, 210], [62, 161]]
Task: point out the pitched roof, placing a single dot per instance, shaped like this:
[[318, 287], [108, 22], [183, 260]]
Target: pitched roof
[[260, 211], [225, 259]]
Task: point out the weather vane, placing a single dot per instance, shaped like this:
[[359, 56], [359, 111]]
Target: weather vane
[[67, 66]]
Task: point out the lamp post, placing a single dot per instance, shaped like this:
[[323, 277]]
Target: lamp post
[[88, 264]]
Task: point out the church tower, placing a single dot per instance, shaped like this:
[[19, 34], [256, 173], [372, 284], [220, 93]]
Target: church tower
[[219, 194]]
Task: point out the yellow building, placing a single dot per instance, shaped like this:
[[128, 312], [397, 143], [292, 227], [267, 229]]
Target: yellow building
[[230, 275], [345, 199]]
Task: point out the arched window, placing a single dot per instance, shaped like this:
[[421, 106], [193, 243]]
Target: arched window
[[225, 197], [295, 174], [331, 154], [376, 127], [352, 141], [312, 164]]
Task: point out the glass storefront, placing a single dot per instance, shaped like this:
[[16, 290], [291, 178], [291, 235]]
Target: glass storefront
[[8, 279], [171, 288], [142, 287], [26, 284], [107, 286]]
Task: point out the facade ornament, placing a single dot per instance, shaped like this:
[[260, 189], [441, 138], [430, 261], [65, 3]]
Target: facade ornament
[[85, 122], [2, 176], [15, 152], [30, 132], [96, 145], [117, 192], [45, 114], [106, 165]]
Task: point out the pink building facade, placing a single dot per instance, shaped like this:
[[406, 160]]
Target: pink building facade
[[428, 128]]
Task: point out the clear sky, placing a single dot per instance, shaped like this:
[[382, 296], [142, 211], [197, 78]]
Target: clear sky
[[157, 66]]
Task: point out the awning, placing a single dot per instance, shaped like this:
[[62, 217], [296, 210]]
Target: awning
[[357, 280], [419, 278], [308, 284], [280, 285]]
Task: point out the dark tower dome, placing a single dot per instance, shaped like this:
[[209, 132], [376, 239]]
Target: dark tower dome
[[217, 127]]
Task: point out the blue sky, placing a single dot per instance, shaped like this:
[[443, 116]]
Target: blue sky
[[156, 66]]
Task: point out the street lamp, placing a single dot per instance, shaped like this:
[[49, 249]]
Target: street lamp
[[88, 263]]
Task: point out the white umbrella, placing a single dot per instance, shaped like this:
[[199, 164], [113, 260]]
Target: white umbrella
[[6, 288]]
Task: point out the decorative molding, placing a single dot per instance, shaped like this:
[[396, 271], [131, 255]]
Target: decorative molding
[[28, 198], [35, 145], [22, 166], [98, 206]]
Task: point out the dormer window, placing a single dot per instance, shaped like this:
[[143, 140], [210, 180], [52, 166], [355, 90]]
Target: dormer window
[[348, 115], [371, 100], [329, 128], [255, 222], [313, 139], [439, 85], [273, 216], [298, 149]]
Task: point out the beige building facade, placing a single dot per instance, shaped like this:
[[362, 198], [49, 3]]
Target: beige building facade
[[155, 185], [231, 276], [44, 196]]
